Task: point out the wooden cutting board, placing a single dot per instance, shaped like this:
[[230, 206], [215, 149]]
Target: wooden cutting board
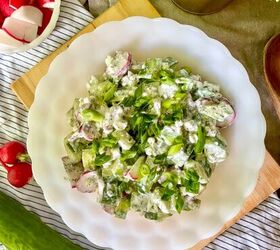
[[24, 88]]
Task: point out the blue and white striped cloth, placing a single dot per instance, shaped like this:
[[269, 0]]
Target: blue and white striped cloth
[[260, 229]]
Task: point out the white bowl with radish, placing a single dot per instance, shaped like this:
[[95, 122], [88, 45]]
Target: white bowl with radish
[[26, 23]]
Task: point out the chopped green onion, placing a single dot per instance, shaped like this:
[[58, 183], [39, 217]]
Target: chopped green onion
[[128, 101], [144, 170], [109, 142], [91, 115], [154, 129], [201, 140], [179, 203], [101, 159], [180, 95], [160, 159], [122, 208], [128, 154], [175, 149], [167, 193], [142, 102], [151, 216], [138, 91], [168, 103]]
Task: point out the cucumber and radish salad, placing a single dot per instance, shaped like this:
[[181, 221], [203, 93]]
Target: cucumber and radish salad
[[147, 137], [22, 21]]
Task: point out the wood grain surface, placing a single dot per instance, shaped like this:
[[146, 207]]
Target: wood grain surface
[[268, 182], [272, 70], [24, 88]]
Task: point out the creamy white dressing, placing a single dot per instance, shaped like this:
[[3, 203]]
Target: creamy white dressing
[[175, 144], [167, 90], [179, 158], [215, 153]]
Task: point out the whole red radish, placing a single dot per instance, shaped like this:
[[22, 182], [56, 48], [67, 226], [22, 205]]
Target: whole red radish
[[19, 174], [11, 151]]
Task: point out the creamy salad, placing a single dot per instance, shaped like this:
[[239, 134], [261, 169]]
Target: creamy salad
[[146, 137]]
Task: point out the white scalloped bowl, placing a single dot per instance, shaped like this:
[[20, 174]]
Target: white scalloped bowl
[[231, 182], [50, 27]]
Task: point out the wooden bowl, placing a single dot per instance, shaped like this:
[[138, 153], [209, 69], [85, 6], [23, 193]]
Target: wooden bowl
[[272, 70]]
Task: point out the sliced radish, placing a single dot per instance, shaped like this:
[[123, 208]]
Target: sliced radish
[[222, 103], [15, 4], [47, 14], [20, 29], [5, 9], [2, 18], [108, 208], [86, 132], [126, 66], [133, 174], [230, 118], [88, 182], [29, 14], [8, 41], [120, 68], [46, 3]]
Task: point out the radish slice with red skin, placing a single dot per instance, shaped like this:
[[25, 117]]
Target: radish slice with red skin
[[15, 4], [47, 14], [131, 176], [2, 18], [5, 9], [46, 3], [108, 208], [229, 119], [121, 69], [86, 132], [125, 68], [8, 41], [20, 29], [29, 14], [88, 182], [11, 35]]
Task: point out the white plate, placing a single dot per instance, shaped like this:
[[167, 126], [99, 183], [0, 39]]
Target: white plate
[[230, 184]]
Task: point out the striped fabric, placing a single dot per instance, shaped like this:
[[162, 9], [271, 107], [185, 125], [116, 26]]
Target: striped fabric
[[260, 229]]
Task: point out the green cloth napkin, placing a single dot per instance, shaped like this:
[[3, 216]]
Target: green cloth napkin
[[244, 27]]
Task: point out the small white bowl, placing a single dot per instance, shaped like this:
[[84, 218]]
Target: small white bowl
[[50, 27]]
